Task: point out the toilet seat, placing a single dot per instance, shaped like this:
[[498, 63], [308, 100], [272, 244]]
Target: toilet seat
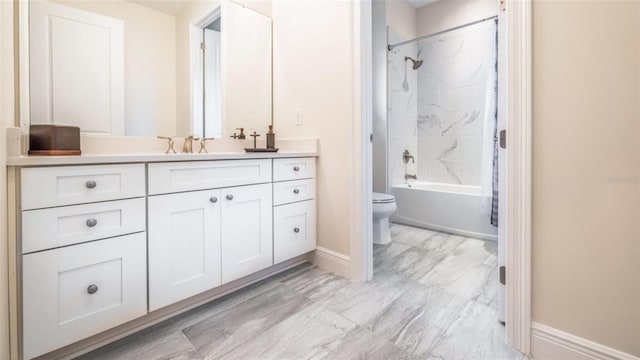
[[380, 198]]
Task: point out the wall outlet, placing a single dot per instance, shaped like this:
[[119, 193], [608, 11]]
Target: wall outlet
[[299, 118]]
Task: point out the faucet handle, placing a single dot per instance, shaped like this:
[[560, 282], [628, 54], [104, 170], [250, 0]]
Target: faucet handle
[[203, 145], [170, 143], [241, 136]]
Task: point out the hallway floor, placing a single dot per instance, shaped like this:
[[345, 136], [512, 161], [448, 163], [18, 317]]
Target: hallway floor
[[433, 296]]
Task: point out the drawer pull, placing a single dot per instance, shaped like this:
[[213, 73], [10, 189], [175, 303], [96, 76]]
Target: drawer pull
[[296, 191], [296, 168], [296, 230], [229, 197], [91, 184], [92, 289], [92, 222], [213, 199]]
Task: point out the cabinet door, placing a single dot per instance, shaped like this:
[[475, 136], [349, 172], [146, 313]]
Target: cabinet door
[[246, 230], [184, 245], [294, 231], [73, 292]]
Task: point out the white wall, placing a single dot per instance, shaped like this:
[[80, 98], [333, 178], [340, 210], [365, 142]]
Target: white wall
[[149, 48], [445, 14], [313, 73], [586, 170], [379, 114], [7, 118]]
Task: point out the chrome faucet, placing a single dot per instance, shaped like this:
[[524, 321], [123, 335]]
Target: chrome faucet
[[413, 177], [406, 155], [187, 148]]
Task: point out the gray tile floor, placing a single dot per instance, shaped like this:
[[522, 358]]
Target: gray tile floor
[[433, 296]]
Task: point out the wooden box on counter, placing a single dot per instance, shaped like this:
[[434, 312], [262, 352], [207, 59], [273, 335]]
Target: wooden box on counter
[[54, 140]]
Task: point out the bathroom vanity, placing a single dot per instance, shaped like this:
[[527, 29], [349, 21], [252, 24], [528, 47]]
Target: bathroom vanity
[[103, 249]]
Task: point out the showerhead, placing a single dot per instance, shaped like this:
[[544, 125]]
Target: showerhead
[[416, 63]]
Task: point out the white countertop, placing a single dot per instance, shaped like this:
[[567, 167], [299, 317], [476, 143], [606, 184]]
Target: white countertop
[[138, 158]]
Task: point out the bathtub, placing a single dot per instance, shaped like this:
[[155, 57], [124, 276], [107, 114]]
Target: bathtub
[[455, 209]]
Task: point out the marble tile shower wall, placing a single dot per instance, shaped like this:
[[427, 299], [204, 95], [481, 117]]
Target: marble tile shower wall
[[402, 109], [456, 97]]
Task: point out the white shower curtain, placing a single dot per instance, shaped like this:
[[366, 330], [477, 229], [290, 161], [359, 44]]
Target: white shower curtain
[[489, 137]]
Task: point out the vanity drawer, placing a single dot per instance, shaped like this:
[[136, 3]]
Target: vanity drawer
[[293, 191], [54, 227], [201, 175], [68, 185], [294, 230], [294, 169], [74, 292]]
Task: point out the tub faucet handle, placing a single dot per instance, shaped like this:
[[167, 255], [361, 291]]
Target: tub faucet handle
[[406, 155]]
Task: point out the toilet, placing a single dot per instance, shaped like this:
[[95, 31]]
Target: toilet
[[383, 206]]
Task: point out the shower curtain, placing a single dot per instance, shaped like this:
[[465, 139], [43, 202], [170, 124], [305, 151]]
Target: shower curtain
[[489, 165]]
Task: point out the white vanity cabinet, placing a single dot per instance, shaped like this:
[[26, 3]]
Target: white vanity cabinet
[[294, 212], [121, 246], [83, 252], [203, 238]]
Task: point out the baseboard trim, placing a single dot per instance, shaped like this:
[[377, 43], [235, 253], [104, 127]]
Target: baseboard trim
[[332, 261], [550, 343]]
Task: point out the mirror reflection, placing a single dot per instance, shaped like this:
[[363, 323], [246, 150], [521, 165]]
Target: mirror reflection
[[147, 68]]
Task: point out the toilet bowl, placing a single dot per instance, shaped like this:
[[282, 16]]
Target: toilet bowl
[[383, 206]]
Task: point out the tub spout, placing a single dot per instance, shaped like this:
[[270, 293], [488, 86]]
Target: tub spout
[[412, 177]]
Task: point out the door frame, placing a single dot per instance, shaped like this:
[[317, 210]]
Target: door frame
[[518, 222]]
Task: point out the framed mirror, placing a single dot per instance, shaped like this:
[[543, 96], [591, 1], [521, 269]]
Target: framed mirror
[[146, 67]]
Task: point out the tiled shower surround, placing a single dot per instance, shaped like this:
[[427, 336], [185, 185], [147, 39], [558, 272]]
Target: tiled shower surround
[[402, 109], [456, 106]]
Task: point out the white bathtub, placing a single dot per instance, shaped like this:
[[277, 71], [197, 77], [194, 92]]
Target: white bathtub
[[455, 209]]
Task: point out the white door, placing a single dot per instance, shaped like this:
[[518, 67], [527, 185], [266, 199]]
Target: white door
[[246, 230], [212, 80], [184, 245], [76, 68]]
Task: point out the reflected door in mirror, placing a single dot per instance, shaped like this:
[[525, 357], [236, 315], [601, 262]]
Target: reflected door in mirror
[[76, 69]]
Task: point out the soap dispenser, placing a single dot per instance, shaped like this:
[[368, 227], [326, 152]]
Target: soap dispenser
[[271, 138]]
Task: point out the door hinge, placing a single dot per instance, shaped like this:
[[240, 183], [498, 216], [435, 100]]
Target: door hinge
[[503, 139], [371, 138], [202, 46], [503, 275], [503, 5]]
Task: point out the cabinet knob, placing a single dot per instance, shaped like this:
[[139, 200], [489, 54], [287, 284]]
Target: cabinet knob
[[92, 222], [296, 191], [229, 197], [296, 230], [296, 168], [92, 289], [213, 199], [90, 184]]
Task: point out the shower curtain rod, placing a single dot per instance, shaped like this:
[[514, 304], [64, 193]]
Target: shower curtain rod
[[390, 47]]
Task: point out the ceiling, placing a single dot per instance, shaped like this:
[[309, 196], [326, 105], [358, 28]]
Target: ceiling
[[171, 7], [420, 3]]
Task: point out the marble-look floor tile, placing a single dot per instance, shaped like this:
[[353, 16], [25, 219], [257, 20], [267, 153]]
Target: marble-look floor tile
[[475, 334], [362, 344], [410, 235], [463, 272], [382, 253], [224, 303], [315, 283], [416, 319], [363, 302], [414, 263], [223, 332], [163, 343], [488, 293], [307, 334]]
